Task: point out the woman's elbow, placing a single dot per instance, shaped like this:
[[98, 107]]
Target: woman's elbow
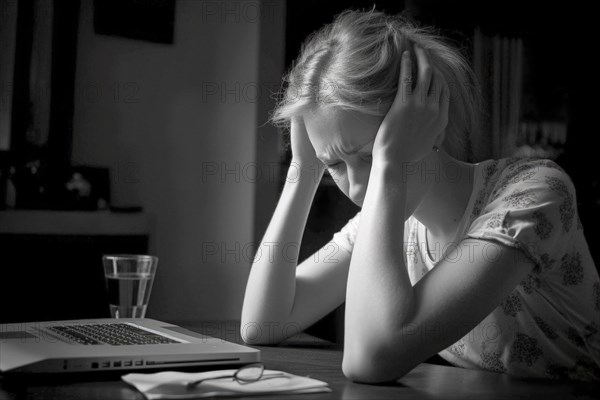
[[257, 333], [372, 367]]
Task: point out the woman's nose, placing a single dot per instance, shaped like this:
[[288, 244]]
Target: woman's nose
[[356, 194], [357, 183]]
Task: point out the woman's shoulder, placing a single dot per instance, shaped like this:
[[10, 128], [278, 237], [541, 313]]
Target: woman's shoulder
[[513, 176], [517, 167], [501, 182], [514, 166], [530, 205], [537, 190]]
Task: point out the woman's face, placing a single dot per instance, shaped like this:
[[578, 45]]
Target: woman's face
[[343, 141]]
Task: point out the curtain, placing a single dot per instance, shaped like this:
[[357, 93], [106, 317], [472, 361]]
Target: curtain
[[498, 64], [8, 40], [40, 72]]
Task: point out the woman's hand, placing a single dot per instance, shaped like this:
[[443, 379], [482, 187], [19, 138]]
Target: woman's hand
[[416, 120], [303, 152]]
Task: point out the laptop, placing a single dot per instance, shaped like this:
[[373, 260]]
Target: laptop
[[112, 345]]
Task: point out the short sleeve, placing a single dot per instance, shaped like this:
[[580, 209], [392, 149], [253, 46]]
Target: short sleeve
[[532, 207], [346, 236]]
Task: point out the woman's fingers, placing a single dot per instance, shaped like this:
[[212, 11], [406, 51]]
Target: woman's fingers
[[405, 83], [424, 76], [444, 97], [425, 73], [444, 104], [438, 90]]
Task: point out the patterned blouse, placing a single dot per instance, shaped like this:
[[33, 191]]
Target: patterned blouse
[[548, 326]]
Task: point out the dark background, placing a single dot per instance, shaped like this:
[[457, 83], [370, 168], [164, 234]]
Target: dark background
[[558, 43]]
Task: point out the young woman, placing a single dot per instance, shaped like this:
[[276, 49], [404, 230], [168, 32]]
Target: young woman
[[485, 264]]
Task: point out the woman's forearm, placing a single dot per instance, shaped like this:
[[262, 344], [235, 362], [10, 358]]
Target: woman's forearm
[[270, 290], [379, 293]]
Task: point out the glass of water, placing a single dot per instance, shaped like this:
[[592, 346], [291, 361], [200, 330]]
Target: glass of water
[[129, 279]]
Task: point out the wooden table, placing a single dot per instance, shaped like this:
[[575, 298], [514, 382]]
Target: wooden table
[[308, 356]]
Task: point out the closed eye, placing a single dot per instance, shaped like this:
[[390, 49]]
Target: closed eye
[[334, 165]]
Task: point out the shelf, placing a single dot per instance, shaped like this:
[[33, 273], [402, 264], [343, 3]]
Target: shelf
[[49, 222]]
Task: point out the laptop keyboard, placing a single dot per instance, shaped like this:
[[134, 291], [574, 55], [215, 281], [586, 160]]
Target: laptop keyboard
[[117, 334]]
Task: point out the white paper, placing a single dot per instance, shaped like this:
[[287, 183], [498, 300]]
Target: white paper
[[173, 385]]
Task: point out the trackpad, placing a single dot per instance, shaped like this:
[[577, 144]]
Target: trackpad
[[179, 329]]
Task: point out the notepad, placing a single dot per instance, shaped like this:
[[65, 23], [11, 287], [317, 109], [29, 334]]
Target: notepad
[[173, 385]]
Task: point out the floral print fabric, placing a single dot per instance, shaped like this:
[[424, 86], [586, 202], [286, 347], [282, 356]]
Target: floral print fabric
[[548, 327]]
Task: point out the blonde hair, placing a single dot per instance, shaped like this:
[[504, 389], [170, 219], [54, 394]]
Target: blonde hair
[[353, 63]]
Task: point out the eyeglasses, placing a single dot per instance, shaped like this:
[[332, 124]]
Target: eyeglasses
[[246, 374]]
